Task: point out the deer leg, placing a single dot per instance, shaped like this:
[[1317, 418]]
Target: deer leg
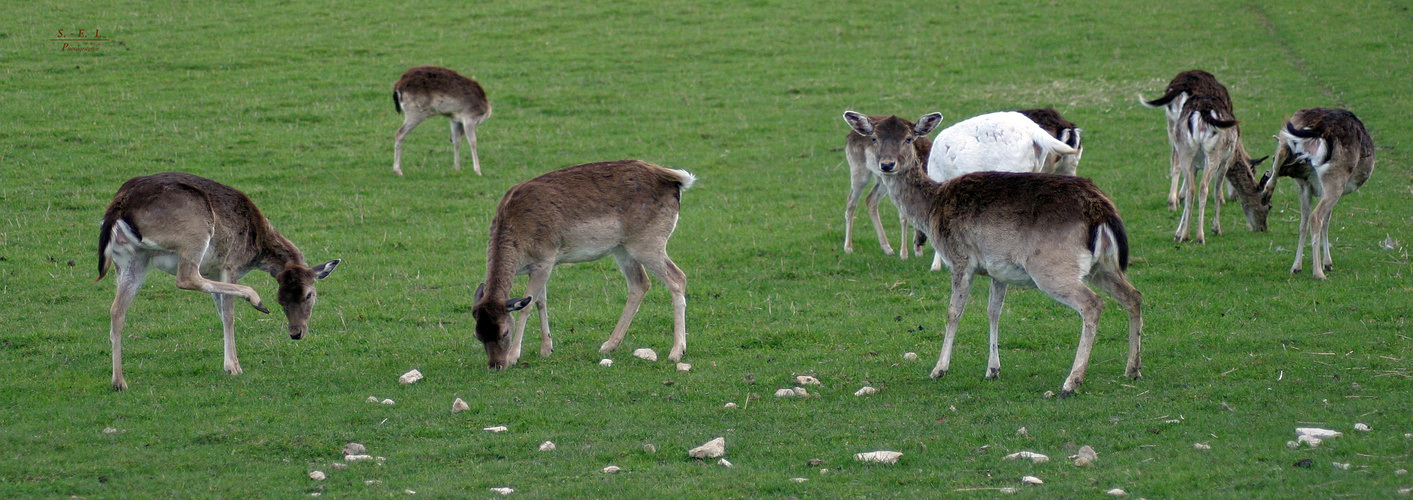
[[542, 307], [1203, 190], [1070, 291], [658, 263], [871, 202], [1306, 193], [190, 278], [857, 181], [410, 119], [456, 132], [962, 275], [1320, 232], [470, 126], [225, 307], [919, 242], [1188, 186], [638, 286], [993, 313], [129, 279], [903, 241], [1175, 175], [1129, 297], [539, 276]]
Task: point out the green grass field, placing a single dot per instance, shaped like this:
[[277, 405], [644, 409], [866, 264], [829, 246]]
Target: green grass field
[[290, 102]]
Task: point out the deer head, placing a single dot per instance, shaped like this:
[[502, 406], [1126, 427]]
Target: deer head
[[297, 295], [890, 147], [493, 324]]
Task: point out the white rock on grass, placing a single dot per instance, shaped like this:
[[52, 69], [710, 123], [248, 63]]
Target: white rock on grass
[[866, 390], [389, 402], [338, 466], [799, 479], [645, 354], [1317, 432], [1405, 491], [502, 491], [373, 399], [459, 406], [612, 469], [1085, 456], [1362, 427], [380, 460], [357, 458], [1201, 446], [878, 457], [712, 449], [605, 362], [318, 476], [806, 380], [1308, 440], [649, 448], [410, 377], [724, 463], [730, 405], [354, 449], [1031, 480], [793, 392], [410, 492], [1400, 472], [547, 446], [910, 356], [497, 429], [1117, 492], [1028, 455], [684, 367], [1342, 466]]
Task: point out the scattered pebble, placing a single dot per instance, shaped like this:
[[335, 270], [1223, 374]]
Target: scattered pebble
[[372, 482], [358, 458], [866, 390], [1317, 432], [1031, 480], [684, 367], [1400, 472], [910, 356], [1028, 455], [1292, 444], [645, 354], [796, 392], [815, 462], [1362, 427], [649, 448], [496, 429], [712, 449], [318, 476], [373, 399], [547, 446], [1308, 440], [354, 449], [111, 430], [605, 362], [1049, 394], [1023, 432], [799, 479], [806, 380], [338, 466], [1085, 456], [1201, 446], [730, 405], [1405, 491], [389, 402], [1117, 492], [1008, 491], [1339, 465], [410, 377], [409, 492], [824, 471], [1408, 435], [881, 457], [380, 460], [724, 463], [612, 469], [502, 491], [459, 406]]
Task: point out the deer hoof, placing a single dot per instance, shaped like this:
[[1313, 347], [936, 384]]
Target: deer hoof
[[1066, 393], [260, 307], [938, 373], [993, 373], [120, 386]]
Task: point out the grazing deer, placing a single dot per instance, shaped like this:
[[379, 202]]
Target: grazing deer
[[627, 208], [208, 235], [1007, 141], [1044, 230], [1204, 135], [1329, 154], [425, 91], [859, 178]]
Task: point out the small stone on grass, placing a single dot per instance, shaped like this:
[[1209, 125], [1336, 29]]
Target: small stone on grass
[[318, 476], [1031, 480], [806, 380], [459, 406], [502, 491], [645, 354], [547, 446], [410, 377], [496, 429], [605, 362], [880, 457], [866, 390], [712, 449]]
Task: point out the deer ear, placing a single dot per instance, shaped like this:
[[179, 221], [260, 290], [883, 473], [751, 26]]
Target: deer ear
[[480, 292], [926, 123], [517, 304], [859, 123], [323, 270]]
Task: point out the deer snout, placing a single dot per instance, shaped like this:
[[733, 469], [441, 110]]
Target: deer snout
[[297, 332], [887, 166]]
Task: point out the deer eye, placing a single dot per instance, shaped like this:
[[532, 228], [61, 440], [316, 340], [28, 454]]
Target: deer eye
[[309, 296]]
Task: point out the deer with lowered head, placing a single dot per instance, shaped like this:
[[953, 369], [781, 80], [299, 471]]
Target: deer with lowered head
[[1203, 131], [1053, 232], [426, 91], [210, 236], [1329, 154], [627, 208]]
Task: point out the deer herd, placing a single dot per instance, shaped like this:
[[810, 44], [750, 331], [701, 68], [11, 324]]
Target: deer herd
[[995, 195]]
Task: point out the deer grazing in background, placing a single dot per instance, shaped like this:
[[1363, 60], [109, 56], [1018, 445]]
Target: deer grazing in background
[[208, 235], [627, 208], [1036, 140], [425, 91], [859, 178], [1329, 154], [1050, 231], [1204, 135]]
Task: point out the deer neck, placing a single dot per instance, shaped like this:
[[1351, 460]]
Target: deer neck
[[502, 261], [915, 195], [275, 253]]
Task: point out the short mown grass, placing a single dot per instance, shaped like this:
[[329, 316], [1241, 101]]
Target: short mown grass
[[290, 102]]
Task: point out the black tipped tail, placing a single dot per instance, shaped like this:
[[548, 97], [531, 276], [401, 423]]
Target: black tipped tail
[[1210, 117], [1120, 238], [105, 234], [397, 102], [1162, 101], [1303, 133]]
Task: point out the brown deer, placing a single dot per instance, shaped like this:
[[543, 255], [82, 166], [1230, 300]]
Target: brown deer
[[627, 208], [859, 178], [1329, 154], [1204, 135], [425, 91], [208, 235], [1049, 231]]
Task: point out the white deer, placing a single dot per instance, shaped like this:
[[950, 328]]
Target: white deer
[[426, 91], [210, 236], [1053, 232], [1329, 154], [626, 208]]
